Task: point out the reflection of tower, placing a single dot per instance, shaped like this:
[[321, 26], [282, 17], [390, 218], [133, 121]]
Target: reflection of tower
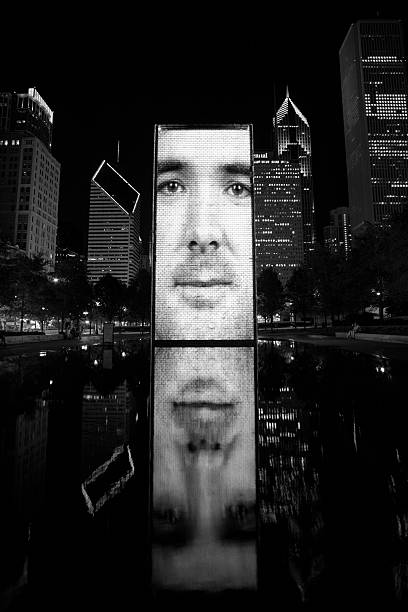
[[23, 449], [30, 458], [286, 477], [105, 424], [294, 145], [114, 224]]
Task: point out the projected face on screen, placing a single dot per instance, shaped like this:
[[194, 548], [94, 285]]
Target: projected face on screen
[[204, 243], [204, 469]]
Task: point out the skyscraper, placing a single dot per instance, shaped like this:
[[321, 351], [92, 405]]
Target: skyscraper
[[337, 235], [278, 215], [29, 175], [293, 140], [114, 222], [375, 94]]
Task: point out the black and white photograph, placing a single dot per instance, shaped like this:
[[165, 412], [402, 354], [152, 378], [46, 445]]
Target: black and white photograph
[[204, 308]]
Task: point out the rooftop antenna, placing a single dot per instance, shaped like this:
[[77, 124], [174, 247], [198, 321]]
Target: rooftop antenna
[[117, 158], [287, 91], [275, 130]]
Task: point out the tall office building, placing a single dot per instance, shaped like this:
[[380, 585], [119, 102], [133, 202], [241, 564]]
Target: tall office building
[[278, 215], [114, 245], [337, 235], [375, 93], [293, 141], [29, 175]]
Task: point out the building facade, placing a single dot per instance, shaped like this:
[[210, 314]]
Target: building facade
[[114, 245], [293, 141], [29, 175], [278, 215], [67, 256], [337, 235], [375, 94]]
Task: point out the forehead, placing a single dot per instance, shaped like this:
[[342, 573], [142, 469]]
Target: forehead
[[204, 146]]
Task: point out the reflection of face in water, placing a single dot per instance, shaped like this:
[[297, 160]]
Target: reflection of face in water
[[204, 281], [204, 469]]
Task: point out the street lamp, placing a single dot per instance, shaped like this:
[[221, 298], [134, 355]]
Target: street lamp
[[42, 319], [86, 312]]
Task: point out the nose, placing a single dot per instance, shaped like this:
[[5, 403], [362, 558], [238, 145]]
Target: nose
[[203, 246], [204, 232]]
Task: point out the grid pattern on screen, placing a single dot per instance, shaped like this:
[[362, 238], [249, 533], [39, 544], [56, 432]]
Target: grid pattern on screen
[[204, 489], [203, 234]]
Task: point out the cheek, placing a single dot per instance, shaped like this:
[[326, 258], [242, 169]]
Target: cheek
[[170, 225]]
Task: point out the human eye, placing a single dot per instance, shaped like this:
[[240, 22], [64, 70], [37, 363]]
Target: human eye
[[170, 187], [239, 190]]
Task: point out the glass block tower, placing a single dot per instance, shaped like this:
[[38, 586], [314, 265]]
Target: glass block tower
[[278, 215], [114, 224], [375, 92], [292, 134]]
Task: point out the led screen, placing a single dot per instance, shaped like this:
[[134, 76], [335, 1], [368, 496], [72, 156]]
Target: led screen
[[203, 234], [204, 490]]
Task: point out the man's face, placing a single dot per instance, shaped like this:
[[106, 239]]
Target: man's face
[[204, 468], [204, 244]]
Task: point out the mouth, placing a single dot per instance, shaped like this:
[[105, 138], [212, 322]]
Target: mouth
[[213, 282], [203, 294]]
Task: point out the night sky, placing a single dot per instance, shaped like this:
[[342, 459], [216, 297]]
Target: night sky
[[105, 87]]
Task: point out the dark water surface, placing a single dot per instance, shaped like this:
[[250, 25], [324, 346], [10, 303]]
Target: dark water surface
[[331, 521]]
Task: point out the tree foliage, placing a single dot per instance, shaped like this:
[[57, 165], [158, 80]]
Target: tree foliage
[[138, 298], [270, 293], [110, 293]]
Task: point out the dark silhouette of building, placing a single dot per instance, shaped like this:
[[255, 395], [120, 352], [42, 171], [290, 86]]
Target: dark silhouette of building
[[375, 93], [293, 142], [29, 175], [64, 255], [337, 235], [278, 215]]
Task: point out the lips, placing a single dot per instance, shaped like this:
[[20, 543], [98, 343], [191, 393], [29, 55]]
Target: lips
[[192, 282], [203, 282]]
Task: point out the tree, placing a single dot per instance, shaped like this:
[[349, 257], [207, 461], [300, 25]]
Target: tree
[[300, 289], [111, 294], [138, 296], [397, 281], [328, 282], [371, 260], [270, 293], [71, 293], [22, 281]]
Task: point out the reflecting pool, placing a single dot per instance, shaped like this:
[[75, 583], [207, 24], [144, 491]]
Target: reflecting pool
[[109, 495]]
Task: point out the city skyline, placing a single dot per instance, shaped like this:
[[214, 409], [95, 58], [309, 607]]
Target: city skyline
[[119, 103]]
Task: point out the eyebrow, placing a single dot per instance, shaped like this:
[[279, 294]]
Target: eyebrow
[[176, 165], [244, 169], [171, 165]]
